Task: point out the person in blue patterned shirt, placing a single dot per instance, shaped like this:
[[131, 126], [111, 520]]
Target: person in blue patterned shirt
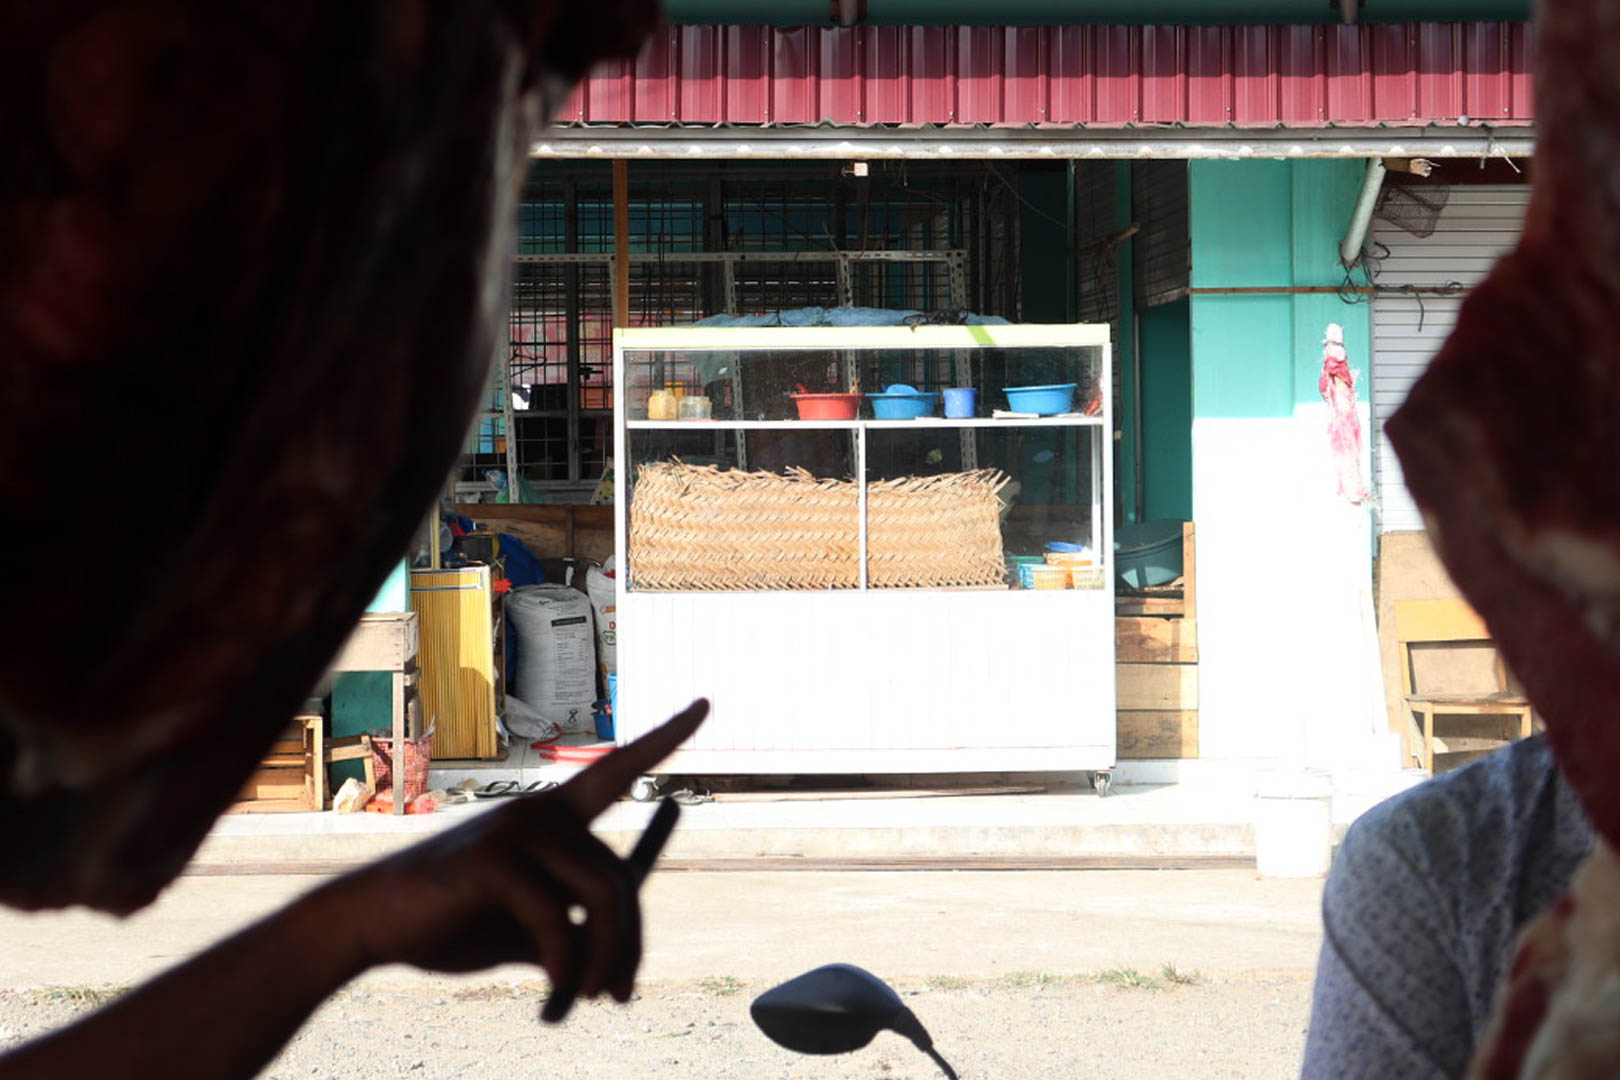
[[1421, 909]]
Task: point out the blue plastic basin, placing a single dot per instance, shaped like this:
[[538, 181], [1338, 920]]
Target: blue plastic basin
[[1042, 400], [901, 403]]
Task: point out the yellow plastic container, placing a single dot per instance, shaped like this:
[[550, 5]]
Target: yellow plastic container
[[1086, 577], [1050, 577], [662, 405]]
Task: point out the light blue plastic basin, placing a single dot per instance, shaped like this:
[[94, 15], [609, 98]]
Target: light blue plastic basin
[[1042, 400], [901, 403]]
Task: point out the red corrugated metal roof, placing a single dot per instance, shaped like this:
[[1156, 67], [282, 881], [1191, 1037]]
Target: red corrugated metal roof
[[1245, 76]]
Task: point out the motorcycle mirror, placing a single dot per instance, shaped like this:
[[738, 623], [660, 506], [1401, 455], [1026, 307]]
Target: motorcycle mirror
[[836, 1009]]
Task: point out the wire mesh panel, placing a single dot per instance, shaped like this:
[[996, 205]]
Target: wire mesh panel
[[927, 286], [1415, 208], [1096, 247], [764, 284], [593, 323], [755, 238], [993, 212], [538, 334], [668, 291], [1162, 266]]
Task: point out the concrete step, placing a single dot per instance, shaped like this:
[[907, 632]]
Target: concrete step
[[1153, 825]]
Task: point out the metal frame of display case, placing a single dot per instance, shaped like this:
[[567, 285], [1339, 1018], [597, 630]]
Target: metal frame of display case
[[669, 639]]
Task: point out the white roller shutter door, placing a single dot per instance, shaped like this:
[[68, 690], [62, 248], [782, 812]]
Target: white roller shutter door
[[1478, 224]]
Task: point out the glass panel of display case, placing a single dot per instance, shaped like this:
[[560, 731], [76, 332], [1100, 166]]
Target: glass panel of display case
[[983, 467], [1047, 489]]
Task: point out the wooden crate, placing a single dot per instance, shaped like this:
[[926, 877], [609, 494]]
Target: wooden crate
[[1156, 657], [285, 781], [381, 641]]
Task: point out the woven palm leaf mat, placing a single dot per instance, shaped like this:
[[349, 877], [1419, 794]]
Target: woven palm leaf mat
[[699, 527]]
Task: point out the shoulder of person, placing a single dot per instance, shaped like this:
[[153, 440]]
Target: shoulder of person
[[1476, 824], [1501, 788]]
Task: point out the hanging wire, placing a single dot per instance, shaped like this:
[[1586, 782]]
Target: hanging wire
[[1371, 263], [1031, 207]]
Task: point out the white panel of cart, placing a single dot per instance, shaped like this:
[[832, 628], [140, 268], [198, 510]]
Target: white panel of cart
[[876, 682]]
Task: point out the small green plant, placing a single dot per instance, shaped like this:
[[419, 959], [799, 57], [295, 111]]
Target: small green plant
[[500, 991], [720, 985], [83, 997], [1177, 977], [946, 982], [1037, 980], [1127, 978]]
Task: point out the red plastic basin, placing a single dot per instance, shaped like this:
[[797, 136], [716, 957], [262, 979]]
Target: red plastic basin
[[827, 406]]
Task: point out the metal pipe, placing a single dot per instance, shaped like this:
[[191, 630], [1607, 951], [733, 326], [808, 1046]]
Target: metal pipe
[[1085, 12], [621, 242], [1372, 182], [1011, 144]]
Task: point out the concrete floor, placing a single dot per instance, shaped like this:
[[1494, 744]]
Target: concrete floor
[[753, 925], [1210, 815]]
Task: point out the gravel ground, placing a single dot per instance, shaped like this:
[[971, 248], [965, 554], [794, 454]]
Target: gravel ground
[[1119, 1023]]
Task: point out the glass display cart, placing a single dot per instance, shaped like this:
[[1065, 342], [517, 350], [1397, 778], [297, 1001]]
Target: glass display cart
[[874, 549]]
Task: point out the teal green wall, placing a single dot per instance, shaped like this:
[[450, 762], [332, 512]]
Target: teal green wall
[[395, 592], [363, 701], [1269, 224], [1167, 411]]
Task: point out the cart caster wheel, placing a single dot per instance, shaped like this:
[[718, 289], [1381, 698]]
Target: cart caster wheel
[[1101, 782], [645, 789]]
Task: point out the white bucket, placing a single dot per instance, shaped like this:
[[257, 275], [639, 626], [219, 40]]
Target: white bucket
[[1293, 825]]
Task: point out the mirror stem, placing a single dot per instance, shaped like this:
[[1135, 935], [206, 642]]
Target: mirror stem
[[944, 1066], [908, 1025]]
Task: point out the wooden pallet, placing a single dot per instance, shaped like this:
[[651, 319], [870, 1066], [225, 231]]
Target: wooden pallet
[[1156, 658]]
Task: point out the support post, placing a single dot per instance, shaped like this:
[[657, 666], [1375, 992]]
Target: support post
[[575, 383], [1127, 489], [861, 482], [397, 694], [621, 242]]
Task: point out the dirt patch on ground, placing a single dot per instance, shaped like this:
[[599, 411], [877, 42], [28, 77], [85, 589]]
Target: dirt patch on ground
[[1118, 1022]]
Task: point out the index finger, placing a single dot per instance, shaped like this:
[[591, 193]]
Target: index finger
[[595, 789]]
